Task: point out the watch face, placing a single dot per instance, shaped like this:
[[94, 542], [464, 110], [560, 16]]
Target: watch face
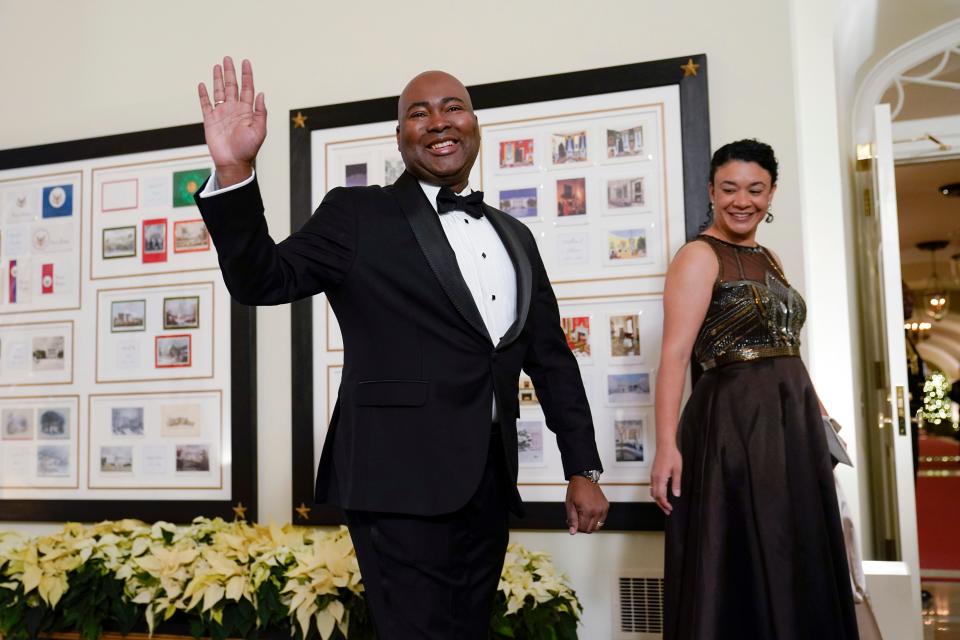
[[592, 475]]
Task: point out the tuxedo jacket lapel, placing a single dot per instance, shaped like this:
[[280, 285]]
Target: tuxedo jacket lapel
[[433, 243], [521, 266]]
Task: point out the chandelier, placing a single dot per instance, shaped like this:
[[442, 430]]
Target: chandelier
[[936, 299], [917, 329]]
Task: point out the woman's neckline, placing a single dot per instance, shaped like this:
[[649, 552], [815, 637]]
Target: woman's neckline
[[732, 244]]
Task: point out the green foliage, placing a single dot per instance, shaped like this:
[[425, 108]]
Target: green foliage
[[95, 601], [551, 620]]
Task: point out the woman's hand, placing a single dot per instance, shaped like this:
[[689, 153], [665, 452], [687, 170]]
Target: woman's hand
[[667, 469]]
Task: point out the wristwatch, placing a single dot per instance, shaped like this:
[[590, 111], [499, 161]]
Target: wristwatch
[[593, 475]]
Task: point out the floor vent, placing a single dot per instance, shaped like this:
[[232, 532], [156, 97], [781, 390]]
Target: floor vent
[[640, 610]]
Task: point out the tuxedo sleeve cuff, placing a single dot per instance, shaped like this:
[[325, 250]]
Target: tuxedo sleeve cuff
[[212, 187]]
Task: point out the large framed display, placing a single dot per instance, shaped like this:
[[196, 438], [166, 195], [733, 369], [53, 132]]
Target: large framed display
[[127, 374], [608, 168]]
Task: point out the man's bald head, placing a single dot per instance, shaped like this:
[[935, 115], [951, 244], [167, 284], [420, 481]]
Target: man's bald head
[[437, 131], [430, 82]]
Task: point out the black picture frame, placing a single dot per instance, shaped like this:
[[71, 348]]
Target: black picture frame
[[688, 73], [243, 379]]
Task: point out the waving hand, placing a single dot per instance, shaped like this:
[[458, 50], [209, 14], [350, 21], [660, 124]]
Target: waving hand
[[235, 125]]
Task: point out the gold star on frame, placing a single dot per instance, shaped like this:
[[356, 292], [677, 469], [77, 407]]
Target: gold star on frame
[[299, 121], [689, 69], [303, 511], [239, 512]]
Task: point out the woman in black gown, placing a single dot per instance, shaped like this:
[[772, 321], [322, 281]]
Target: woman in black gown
[[754, 545]]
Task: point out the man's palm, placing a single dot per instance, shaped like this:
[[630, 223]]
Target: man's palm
[[235, 124]]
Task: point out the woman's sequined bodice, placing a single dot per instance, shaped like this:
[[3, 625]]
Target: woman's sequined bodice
[[754, 312]]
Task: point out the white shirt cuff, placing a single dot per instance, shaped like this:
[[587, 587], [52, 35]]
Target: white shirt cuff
[[213, 187]]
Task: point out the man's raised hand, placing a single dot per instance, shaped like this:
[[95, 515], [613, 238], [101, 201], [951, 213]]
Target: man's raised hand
[[235, 124]]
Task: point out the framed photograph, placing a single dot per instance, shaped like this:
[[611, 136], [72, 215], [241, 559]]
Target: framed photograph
[[119, 242], [572, 199], [526, 393], [516, 153], [181, 420], [625, 143], [126, 421], [625, 338], [577, 331], [193, 457], [181, 313], [519, 203], [49, 353], [155, 240], [356, 175], [625, 246], [628, 388], [392, 169], [657, 117], [116, 459], [53, 423], [530, 442], [173, 351], [625, 194], [128, 315], [125, 191], [629, 436], [569, 147], [190, 236], [53, 461], [17, 424]]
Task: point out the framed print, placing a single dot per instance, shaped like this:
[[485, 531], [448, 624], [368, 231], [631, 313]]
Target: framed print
[[190, 236], [119, 242], [181, 313], [41, 219], [173, 350], [169, 442], [137, 397], [155, 240], [39, 443], [129, 195], [601, 166], [38, 353], [128, 315], [168, 333]]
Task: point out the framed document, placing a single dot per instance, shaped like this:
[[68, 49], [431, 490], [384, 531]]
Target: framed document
[[127, 374]]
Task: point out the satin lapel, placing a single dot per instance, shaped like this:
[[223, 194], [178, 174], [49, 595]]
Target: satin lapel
[[521, 265], [436, 249]]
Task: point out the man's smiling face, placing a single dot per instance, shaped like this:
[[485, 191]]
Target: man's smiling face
[[437, 131]]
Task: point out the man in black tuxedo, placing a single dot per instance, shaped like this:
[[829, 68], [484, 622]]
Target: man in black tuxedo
[[441, 301]]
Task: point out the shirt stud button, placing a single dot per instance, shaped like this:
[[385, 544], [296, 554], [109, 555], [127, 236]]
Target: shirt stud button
[[493, 297], [484, 255]]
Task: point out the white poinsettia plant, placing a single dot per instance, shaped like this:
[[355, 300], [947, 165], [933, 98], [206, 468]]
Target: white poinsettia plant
[[230, 579]]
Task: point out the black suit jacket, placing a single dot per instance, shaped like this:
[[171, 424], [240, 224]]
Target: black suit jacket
[[411, 427]]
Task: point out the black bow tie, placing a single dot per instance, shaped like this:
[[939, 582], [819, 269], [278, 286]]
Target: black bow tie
[[448, 201]]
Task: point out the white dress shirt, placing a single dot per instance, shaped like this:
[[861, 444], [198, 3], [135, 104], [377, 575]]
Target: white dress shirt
[[484, 264]]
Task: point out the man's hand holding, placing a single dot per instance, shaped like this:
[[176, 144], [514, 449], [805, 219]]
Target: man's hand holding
[[586, 506], [235, 125]]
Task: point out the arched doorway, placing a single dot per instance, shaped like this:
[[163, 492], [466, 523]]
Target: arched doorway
[[905, 146]]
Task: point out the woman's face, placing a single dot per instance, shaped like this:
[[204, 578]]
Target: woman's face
[[741, 193]]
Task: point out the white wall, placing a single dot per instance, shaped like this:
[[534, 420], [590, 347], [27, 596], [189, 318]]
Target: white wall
[[83, 69]]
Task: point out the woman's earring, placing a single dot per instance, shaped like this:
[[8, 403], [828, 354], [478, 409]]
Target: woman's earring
[[769, 217]]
